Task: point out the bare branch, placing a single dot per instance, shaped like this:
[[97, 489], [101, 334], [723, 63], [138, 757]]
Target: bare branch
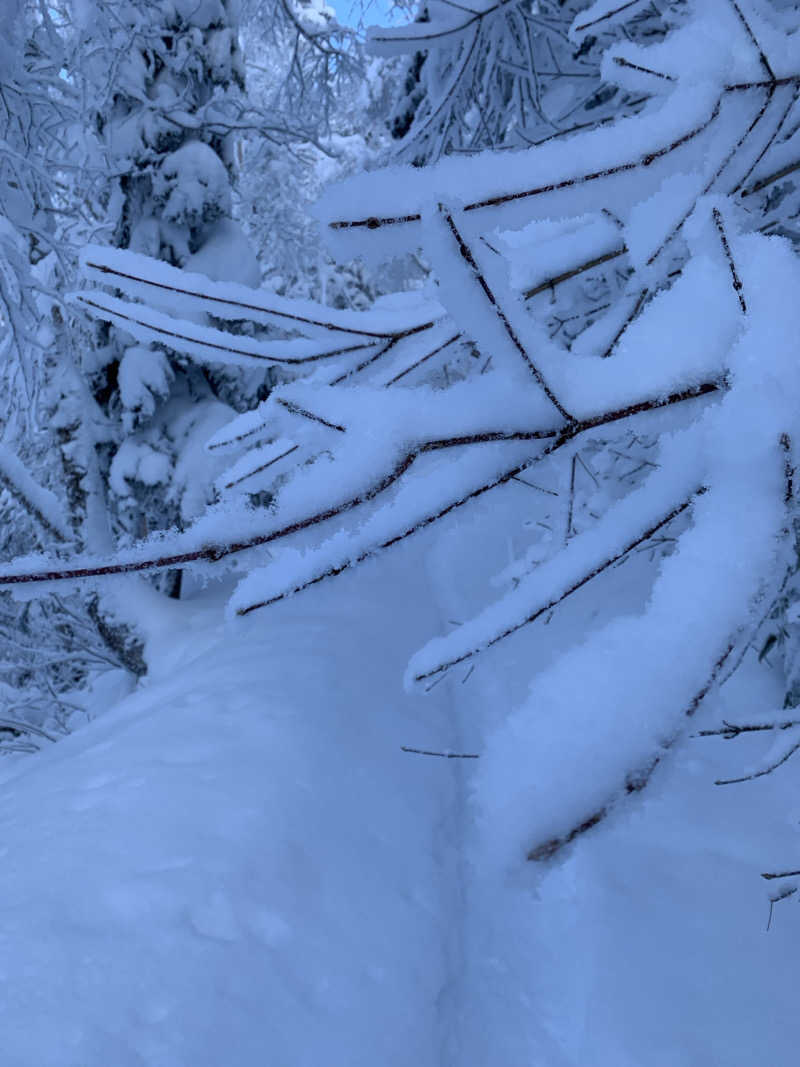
[[766, 770], [730, 730], [542, 609], [736, 280], [466, 254], [749, 31], [375, 223], [214, 551], [442, 755]]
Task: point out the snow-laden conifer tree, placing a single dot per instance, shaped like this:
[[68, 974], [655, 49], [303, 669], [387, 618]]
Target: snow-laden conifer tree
[[164, 80], [694, 360]]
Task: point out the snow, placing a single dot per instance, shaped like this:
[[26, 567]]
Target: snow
[[226, 256], [143, 374], [237, 861], [192, 186], [137, 461], [41, 503], [182, 292], [646, 944]]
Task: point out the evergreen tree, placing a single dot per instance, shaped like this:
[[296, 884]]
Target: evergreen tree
[[166, 79]]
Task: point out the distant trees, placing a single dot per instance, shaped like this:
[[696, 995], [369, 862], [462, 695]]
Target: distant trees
[[50, 647]]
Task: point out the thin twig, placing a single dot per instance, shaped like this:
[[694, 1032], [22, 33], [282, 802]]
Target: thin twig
[[736, 280], [419, 39], [213, 552], [641, 299], [749, 31], [557, 279], [621, 62], [635, 781], [762, 183], [730, 730], [213, 346], [788, 468], [263, 309], [295, 409], [760, 774], [556, 600], [466, 254], [720, 170], [423, 359], [604, 18], [571, 501], [263, 467], [782, 895], [443, 755], [531, 485]]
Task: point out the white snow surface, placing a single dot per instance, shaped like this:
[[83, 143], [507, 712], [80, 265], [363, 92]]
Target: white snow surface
[[237, 865]]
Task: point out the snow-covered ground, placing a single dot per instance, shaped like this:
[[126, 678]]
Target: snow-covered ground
[[237, 865]]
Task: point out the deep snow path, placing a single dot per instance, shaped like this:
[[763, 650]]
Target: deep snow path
[[237, 865]]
